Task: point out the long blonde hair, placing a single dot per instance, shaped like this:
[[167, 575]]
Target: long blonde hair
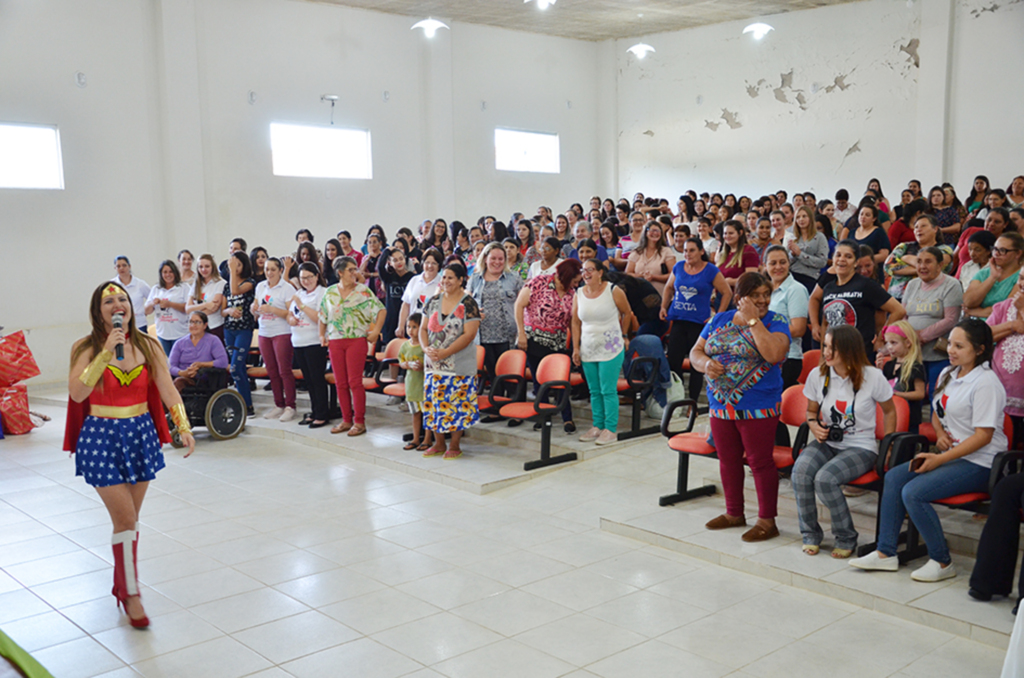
[[214, 276], [913, 356]]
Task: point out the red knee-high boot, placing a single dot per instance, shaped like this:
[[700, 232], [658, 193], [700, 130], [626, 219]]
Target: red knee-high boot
[[126, 582]]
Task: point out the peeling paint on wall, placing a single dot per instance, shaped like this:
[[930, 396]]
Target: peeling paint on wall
[[853, 149], [780, 95], [730, 119], [839, 82], [752, 91], [649, 133], [911, 49], [711, 125], [992, 8]]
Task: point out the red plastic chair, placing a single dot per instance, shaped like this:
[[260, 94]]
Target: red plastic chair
[[510, 373], [812, 359], [553, 378]]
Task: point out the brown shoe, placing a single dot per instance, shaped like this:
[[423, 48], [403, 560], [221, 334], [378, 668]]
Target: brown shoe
[[357, 430], [725, 521], [342, 427], [761, 533]]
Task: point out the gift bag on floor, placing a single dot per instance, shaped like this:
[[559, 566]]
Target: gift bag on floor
[[14, 410], [16, 361]]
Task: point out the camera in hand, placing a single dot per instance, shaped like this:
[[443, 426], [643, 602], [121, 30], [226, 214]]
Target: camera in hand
[[835, 434]]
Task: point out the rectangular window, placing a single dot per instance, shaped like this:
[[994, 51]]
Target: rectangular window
[[314, 151], [516, 151], [30, 156]]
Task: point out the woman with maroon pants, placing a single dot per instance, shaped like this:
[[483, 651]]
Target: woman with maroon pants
[[741, 352], [351, 318]]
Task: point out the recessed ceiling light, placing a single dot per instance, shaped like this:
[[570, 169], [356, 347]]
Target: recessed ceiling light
[[759, 30], [429, 26], [640, 50], [543, 4]]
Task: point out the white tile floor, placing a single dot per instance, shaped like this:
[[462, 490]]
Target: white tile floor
[[263, 557]]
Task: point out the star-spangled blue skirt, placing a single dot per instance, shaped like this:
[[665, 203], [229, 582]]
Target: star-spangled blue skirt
[[116, 451]]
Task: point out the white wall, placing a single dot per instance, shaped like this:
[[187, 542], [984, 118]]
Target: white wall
[[986, 106], [58, 245], [716, 110]]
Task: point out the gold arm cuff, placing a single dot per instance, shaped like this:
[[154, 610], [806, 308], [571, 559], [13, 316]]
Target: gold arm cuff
[[180, 418], [113, 412], [94, 370]]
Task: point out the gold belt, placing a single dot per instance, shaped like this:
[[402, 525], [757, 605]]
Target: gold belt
[[112, 412]]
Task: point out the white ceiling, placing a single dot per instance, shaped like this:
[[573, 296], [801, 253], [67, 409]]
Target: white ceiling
[[589, 19]]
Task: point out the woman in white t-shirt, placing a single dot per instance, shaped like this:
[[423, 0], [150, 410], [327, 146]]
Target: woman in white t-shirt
[[310, 354], [841, 409], [167, 301], [273, 297], [420, 288], [206, 294], [967, 413]]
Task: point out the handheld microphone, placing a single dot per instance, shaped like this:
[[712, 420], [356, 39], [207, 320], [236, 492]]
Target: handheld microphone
[[119, 324]]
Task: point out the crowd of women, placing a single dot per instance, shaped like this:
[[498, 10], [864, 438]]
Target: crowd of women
[[922, 300]]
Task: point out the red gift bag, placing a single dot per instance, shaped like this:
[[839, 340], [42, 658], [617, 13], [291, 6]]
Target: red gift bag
[[14, 410], [16, 361]]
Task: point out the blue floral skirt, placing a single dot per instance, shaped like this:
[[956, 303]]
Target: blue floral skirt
[[117, 451], [449, 402]]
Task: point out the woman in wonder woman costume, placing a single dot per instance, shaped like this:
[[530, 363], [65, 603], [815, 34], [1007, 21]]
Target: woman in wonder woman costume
[[116, 426]]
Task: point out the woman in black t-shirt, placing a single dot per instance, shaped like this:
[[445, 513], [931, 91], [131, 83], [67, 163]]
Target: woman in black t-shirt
[[869, 233], [844, 297], [394, 276]]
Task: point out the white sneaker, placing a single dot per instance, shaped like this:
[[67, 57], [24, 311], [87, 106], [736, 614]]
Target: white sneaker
[[288, 414], [874, 561], [606, 438], [394, 400], [933, 571], [274, 413], [591, 435]]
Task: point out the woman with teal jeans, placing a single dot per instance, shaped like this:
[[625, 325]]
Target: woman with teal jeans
[[600, 318]]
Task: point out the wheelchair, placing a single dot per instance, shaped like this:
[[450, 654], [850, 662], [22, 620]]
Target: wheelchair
[[211, 403]]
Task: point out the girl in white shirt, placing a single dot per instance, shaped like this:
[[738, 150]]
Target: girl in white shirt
[[167, 301], [206, 294], [273, 297], [841, 403], [967, 413], [310, 355]]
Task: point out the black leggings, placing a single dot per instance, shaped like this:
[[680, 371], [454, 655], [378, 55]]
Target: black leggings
[[312, 360], [491, 354], [997, 548], [791, 370], [681, 339]]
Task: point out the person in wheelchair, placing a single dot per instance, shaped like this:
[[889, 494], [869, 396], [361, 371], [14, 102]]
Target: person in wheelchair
[[194, 351]]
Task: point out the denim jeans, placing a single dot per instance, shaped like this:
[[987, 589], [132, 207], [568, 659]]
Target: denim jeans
[[910, 493], [238, 343], [649, 346], [167, 344]]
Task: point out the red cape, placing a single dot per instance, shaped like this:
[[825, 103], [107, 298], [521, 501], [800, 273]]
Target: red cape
[[77, 412]]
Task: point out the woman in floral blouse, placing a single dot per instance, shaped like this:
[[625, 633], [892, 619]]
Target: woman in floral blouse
[[450, 323], [543, 314], [351, 318]]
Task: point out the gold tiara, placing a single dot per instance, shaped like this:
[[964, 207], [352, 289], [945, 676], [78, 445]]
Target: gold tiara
[[111, 290]]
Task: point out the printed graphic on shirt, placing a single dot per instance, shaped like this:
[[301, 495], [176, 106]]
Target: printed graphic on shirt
[[683, 295], [841, 415], [840, 312]]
